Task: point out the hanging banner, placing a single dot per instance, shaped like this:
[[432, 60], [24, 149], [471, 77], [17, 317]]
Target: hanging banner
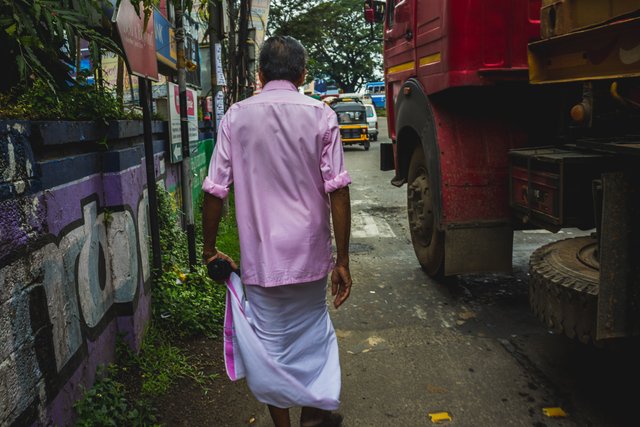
[[259, 19], [219, 70], [219, 102]]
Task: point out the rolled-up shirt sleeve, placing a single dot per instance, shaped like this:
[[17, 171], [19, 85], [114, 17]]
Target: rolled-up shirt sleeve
[[332, 162], [220, 175]]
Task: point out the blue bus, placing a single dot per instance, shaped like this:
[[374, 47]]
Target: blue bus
[[376, 91]]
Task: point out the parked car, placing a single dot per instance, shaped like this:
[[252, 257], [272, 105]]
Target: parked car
[[372, 121]]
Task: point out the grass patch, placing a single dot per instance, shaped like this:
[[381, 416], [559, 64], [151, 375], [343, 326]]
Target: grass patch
[[160, 363]]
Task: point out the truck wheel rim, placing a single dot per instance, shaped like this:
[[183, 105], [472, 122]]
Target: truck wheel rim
[[421, 209]]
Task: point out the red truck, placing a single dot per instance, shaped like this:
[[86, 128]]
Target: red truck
[[521, 114]]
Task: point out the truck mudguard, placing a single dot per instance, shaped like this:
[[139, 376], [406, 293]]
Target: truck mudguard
[[415, 125]]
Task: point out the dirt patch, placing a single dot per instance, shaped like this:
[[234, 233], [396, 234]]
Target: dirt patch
[[221, 402]]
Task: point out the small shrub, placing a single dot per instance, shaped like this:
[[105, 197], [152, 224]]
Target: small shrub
[[188, 303], [81, 101], [105, 404]]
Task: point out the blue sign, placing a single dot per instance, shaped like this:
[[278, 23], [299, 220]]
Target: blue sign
[[166, 50]]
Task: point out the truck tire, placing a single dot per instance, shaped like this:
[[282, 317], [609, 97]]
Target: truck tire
[[563, 287], [427, 240]]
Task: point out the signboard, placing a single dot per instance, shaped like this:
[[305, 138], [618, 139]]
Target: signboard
[[220, 80], [200, 157], [138, 42], [166, 48], [219, 103], [175, 136]]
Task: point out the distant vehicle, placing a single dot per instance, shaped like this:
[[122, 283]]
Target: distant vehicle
[[350, 96], [332, 90], [372, 121], [376, 91], [352, 118]]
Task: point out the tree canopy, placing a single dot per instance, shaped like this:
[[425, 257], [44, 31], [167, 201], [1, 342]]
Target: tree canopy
[[338, 40]]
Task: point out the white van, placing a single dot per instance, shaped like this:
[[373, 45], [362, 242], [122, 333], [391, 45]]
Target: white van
[[372, 122]]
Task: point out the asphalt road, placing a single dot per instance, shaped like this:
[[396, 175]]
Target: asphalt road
[[468, 346]]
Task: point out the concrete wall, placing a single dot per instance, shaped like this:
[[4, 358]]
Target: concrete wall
[[74, 258]]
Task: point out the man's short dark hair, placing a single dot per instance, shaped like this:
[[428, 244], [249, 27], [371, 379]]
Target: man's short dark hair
[[282, 58]]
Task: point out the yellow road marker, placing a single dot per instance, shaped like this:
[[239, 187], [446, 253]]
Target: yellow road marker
[[438, 417], [554, 412]]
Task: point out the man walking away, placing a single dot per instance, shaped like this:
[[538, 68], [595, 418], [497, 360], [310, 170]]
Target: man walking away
[[282, 152]]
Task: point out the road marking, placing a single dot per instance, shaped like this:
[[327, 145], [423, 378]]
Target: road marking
[[365, 225]]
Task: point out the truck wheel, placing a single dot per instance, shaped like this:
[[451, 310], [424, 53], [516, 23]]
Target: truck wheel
[[428, 242], [367, 144], [563, 287]]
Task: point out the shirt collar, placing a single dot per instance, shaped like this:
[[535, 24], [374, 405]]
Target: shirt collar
[[279, 84]]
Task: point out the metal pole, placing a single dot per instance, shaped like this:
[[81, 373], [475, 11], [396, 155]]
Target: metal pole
[[216, 34], [145, 101], [215, 14], [232, 77], [187, 205]]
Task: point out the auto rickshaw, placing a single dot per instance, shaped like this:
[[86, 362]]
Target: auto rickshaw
[[352, 118]]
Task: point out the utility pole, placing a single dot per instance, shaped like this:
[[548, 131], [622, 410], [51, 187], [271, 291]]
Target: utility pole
[[216, 34], [187, 204], [144, 86], [215, 31], [233, 64], [243, 24]]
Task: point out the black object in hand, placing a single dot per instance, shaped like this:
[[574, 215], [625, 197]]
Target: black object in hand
[[219, 269]]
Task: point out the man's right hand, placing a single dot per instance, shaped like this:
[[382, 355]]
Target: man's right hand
[[340, 284]]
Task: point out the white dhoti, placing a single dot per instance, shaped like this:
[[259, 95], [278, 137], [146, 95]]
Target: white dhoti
[[282, 340]]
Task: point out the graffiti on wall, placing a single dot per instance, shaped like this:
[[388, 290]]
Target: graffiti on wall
[[58, 299]]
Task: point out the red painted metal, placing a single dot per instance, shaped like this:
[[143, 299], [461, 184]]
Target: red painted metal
[[474, 165], [462, 43]]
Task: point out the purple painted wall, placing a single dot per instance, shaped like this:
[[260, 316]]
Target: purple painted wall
[[74, 262]]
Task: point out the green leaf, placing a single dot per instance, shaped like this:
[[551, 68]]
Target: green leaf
[[37, 9], [11, 30], [22, 66]]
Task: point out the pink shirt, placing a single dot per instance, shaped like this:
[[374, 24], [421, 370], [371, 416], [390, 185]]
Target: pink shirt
[[282, 152]]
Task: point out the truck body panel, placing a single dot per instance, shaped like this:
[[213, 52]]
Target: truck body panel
[[501, 121]]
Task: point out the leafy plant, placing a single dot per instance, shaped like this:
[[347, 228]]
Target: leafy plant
[[38, 39], [81, 101], [188, 303], [106, 404]]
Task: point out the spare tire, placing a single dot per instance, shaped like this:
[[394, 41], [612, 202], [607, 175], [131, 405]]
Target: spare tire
[[563, 287]]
